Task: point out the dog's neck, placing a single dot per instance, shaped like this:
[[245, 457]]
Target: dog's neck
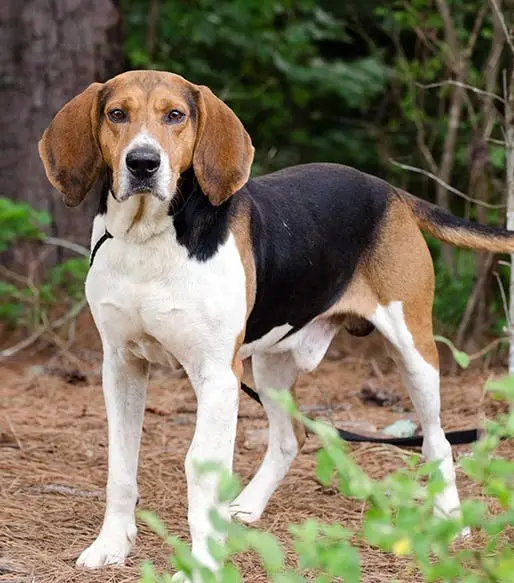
[[197, 225], [137, 219]]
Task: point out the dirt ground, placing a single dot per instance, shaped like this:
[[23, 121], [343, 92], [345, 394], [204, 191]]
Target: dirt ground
[[53, 458]]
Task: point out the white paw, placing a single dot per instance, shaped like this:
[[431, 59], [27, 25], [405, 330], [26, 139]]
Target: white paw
[[455, 512], [110, 548], [242, 510]]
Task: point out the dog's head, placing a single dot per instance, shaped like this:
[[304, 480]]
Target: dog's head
[[147, 127]]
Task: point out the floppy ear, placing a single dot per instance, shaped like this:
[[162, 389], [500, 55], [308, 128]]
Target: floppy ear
[[223, 153], [68, 148]]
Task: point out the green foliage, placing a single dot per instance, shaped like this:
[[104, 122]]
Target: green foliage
[[19, 221], [336, 82], [27, 303], [453, 289], [398, 518], [269, 60], [460, 357]]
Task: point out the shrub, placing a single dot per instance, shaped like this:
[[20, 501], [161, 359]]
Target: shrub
[[398, 519], [26, 303]]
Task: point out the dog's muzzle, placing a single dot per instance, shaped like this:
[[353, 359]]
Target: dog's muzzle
[[143, 163]]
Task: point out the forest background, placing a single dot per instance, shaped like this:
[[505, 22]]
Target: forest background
[[416, 92]]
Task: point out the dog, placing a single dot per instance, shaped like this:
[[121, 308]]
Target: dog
[[236, 278]]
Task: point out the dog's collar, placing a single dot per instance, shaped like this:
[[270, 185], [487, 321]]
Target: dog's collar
[[98, 244]]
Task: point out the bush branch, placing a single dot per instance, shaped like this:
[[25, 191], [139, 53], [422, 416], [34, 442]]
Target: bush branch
[[464, 86], [73, 313], [79, 249], [446, 185]]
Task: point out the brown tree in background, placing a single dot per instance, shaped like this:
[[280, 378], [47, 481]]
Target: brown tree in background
[[50, 50]]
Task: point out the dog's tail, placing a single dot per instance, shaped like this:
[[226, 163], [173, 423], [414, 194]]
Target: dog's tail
[[458, 232]]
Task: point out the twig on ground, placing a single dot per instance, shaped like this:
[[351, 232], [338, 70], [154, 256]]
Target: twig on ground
[[157, 411], [376, 370], [323, 408], [18, 442], [66, 491]]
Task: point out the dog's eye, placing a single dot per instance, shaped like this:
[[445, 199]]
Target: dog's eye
[[174, 116], [117, 115]]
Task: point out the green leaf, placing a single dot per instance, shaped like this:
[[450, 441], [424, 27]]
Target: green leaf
[[267, 546], [148, 574], [230, 574], [183, 559], [289, 577], [461, 358], [154, 522], [503, 388], [343, 561], [229, 487], [324, 467], [497, 156]]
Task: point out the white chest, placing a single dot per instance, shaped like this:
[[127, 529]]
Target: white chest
[[155, 300]]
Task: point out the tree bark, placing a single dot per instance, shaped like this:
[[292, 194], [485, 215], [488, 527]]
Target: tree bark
[[509, 153], [50, 50]]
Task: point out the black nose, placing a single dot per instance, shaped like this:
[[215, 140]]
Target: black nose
[[143, 163]]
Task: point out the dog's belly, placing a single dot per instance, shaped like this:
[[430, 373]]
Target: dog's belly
[[308, 345], [270, 340]]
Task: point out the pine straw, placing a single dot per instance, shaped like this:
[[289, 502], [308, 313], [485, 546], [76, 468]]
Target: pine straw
[[52, 488]]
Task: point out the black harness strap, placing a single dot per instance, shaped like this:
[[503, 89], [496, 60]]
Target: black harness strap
[[98, 244], [454, 437]]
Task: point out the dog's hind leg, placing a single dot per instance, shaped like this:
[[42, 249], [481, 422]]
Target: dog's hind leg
[[408, 328], [271, 372]]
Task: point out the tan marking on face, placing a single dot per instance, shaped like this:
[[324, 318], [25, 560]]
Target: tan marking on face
[[139, 213], [82, 140], [147, 98]]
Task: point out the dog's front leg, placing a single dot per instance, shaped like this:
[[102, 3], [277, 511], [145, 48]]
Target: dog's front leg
[[217, 395], [125, 380]]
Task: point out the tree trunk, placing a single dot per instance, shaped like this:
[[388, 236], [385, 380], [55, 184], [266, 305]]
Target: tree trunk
[[509, 153], [50, 50]]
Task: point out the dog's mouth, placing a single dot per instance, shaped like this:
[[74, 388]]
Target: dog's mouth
[[145, 188]]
